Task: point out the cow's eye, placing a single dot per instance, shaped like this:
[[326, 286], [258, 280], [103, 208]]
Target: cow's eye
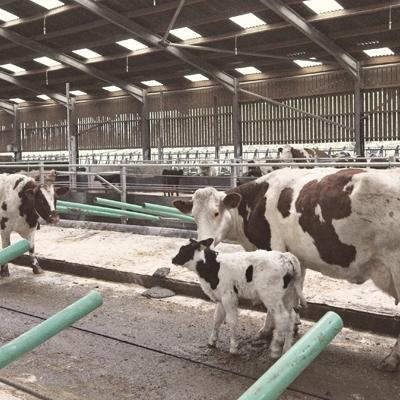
[[216, 214]]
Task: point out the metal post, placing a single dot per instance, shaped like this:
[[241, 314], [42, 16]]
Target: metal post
[[217, 138], [71, 136], [359, 118], [17, 135], [49, 328], [146, 146], [41, 173], [233, 173], [273, 383], [124, 220], [160, 141], [236, 126]]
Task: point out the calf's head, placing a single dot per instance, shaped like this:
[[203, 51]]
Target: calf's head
[[188, 252], [211, 210]]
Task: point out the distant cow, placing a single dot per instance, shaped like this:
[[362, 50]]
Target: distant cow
[[289, 152], [342, 223], [171, 179], [23, 201], [207, 170], [270, 277]]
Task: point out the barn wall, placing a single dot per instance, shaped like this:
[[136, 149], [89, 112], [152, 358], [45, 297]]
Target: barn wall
[[203, 117]]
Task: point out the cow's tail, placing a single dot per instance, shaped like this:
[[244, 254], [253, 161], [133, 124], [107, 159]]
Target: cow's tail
[[297, 277]]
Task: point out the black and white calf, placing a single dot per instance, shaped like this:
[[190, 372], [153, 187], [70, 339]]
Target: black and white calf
[[23, 201], [270, 277]]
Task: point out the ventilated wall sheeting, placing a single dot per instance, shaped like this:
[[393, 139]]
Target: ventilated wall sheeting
[[203, 117]]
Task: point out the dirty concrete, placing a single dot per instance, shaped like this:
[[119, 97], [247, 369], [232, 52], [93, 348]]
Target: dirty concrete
[[164, 354]]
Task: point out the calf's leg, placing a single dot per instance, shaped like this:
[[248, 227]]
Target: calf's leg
[[230, 305], [34, 261], [281, 320], [290, 331], [219, 317], [5, 241]]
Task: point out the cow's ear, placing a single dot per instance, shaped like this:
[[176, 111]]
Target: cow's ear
[[183, 206], [232, 200], [30, 193], [61, 191]]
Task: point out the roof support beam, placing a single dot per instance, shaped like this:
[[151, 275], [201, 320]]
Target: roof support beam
[[72, 62], [7, 107], [59, 98], [155, 40], [173, 20], [349, 63]]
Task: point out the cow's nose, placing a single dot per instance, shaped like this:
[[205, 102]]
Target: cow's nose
[[54, 218]]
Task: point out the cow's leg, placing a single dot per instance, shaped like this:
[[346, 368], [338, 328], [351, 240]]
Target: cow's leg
[[268, 326], [230, 305], [34, 261], [281, 321], [5, 241], [388, 280], [219, 317]]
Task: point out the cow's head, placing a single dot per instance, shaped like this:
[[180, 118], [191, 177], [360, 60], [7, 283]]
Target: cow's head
[[211, 210], [42, 199]]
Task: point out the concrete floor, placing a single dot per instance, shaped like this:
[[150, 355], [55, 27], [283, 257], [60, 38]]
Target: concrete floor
[[164, 354]]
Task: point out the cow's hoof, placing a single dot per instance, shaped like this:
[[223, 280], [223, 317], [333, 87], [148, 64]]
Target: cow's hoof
[[4, 272], [263, 335], [37, 270], [389, 364], [211, 345], [275, 354], [234, 351]]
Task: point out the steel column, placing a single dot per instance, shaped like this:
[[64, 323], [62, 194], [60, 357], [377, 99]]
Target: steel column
[[17, 136], [217, 139], [359, 119], [236, 125], [145, 127], [173, 20], [72, 137]]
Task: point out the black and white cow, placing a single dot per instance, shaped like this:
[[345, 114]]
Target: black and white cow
[[23, 201], [270, 277], [342, 223], [171, 179]]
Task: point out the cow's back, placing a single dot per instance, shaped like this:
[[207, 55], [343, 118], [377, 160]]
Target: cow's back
[[334, 221]]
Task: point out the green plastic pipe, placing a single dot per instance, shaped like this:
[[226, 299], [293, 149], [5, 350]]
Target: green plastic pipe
[[144, 209], [47, 329], [13, 251], [274, 382], [157, 207], [89, 209]]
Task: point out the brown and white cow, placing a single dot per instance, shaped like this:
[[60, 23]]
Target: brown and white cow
[[343, 223], [23, 201], [289, 152]]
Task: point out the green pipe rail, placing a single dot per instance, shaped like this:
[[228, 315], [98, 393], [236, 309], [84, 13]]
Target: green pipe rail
[[70, 207], [161, 211], [49, 328], [274, 382], [13, 251]]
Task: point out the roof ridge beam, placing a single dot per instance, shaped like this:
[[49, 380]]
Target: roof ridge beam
[[156, 40], [14, 37], [349, 63]]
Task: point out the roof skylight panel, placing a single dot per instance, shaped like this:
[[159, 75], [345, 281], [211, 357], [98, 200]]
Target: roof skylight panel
[[379, 52], [248, 70], [43, 96], [323, 6], [132, 44], [7, 16], [196, 78], [307, 63], [86, 53], [77, 92], [48, 4], [185, 33], [151, 83], [17, 100], [48, 62], [248, 20], [111, 88], [12, 68]]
